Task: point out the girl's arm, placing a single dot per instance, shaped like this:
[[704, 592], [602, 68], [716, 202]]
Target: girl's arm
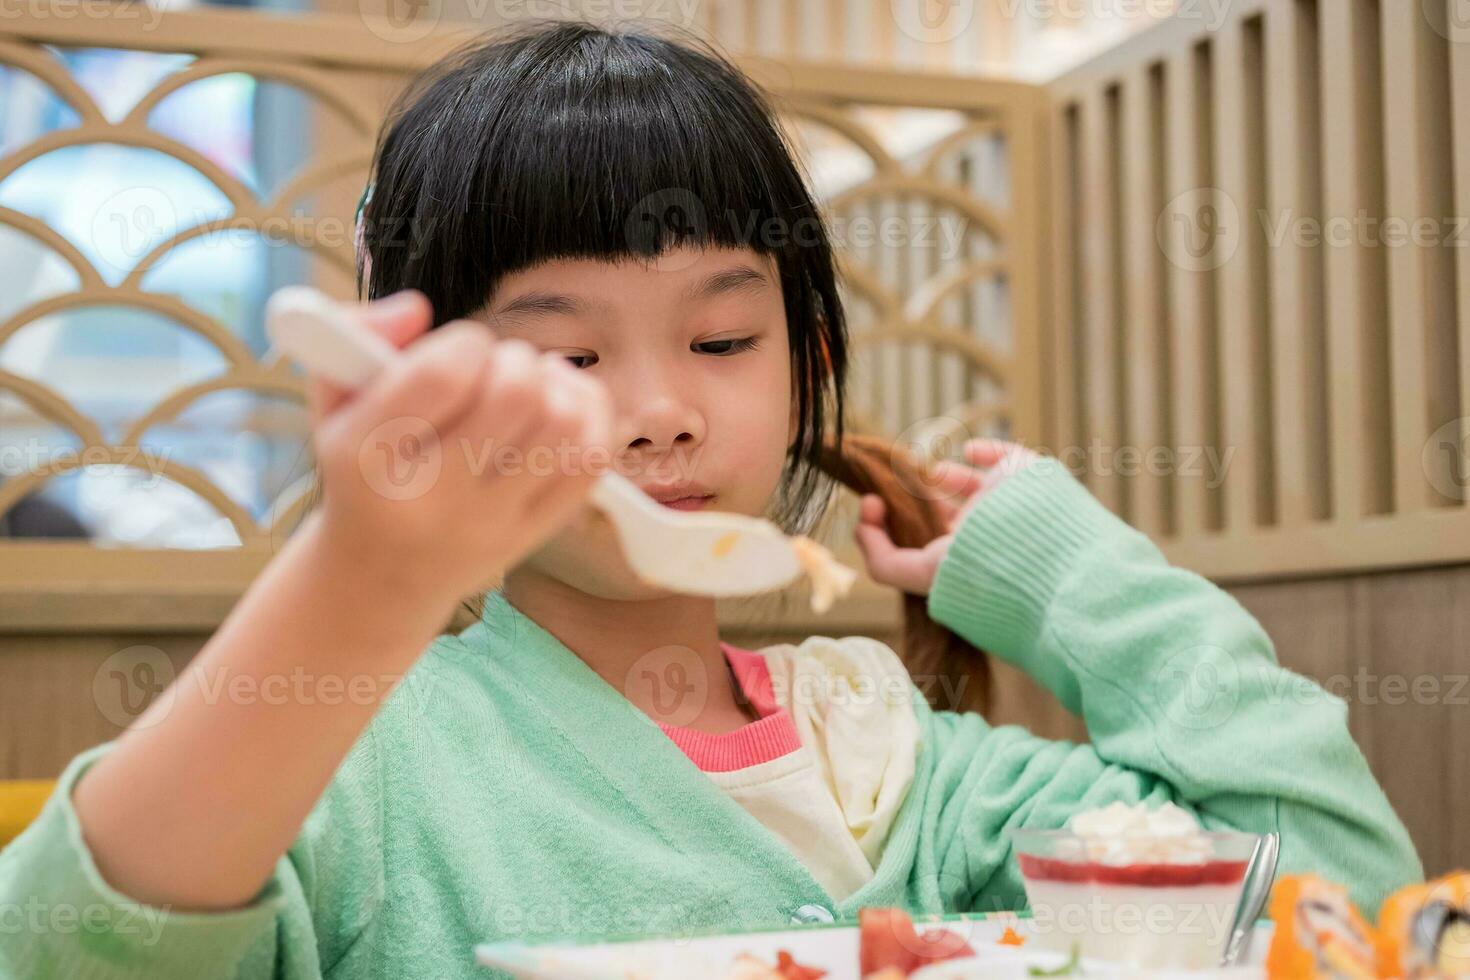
[[183, 821], [1178, 686], [201, 796]]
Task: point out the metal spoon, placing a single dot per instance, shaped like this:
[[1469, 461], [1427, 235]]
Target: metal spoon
[[1260, 874], [693, 552]]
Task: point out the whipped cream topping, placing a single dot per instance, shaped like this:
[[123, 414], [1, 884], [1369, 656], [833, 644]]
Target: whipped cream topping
[[1120, 834]]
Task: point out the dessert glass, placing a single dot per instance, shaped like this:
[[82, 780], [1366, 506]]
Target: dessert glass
[[1156, 902]]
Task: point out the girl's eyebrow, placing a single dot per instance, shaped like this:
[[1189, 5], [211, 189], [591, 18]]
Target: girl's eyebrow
[[734, 279], [540, 303]]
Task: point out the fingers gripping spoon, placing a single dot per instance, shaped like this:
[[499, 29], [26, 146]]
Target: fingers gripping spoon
[[698, 553]]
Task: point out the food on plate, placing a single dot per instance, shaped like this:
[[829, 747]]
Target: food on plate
[[889, 945], [1424, 930], [1319, 934], [748, 967], [831, 580], [788, 969], [1134, 885], [1011, 938]]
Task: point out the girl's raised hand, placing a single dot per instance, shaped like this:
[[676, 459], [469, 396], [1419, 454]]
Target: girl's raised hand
[[461, 457], [961, 486]]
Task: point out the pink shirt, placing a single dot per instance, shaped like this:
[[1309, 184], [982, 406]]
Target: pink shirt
[[769, 737]]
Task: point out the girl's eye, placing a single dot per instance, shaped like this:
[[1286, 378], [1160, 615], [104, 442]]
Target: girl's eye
[[727, 347], [591, 359]]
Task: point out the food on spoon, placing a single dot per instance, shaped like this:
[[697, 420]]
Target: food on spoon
[[1319, 934], [1424, 930], [888, 941], [830, 578]]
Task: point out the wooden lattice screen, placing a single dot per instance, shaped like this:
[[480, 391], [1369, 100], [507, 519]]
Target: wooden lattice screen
[[940, 257]]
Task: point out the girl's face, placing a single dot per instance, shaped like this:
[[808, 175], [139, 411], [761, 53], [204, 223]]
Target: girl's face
[[693, 350]]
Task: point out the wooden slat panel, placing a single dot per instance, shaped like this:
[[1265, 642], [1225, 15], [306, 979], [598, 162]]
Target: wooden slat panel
[[1026, 140], [949, 375], [906, 50], [1406, 328], [891, 273], [867, 385], [1294, 194], [1166, 39], [1067, 406], [919, 214], [1144, 313], [1421, 276], [1458, 112], [1351, 114], [1099, 254], [817, 35], [995, 30], [1244, 361], [793, 41], [1191, 296], [883, 44], [833, 18], [857, 18], [705, 20]]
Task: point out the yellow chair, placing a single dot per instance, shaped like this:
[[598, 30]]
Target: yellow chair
[[20, 802]]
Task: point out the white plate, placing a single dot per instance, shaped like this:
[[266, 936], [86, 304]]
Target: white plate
[[834, 949]]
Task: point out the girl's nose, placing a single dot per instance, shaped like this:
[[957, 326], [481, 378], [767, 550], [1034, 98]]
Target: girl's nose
[[663, 423]]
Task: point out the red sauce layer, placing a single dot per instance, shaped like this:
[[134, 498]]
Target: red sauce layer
[[1147, 875]]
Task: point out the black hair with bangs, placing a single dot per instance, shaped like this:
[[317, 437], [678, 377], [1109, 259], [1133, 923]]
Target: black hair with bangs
[[568, 140]]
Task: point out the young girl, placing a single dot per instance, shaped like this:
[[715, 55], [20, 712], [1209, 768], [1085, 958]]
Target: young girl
[[589, 758]]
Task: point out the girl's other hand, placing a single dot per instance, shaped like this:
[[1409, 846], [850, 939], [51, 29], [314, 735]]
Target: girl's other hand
[[461, 457], [912, 570]]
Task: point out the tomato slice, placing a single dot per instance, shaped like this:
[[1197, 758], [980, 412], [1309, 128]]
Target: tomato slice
[[887, 940], [789, 969]]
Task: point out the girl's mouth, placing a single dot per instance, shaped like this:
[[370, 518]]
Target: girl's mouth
[[689, 503]]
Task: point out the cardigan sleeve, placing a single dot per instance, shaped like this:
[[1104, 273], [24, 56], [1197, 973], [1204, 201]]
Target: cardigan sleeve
[[67, 920], [1177, 684]]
